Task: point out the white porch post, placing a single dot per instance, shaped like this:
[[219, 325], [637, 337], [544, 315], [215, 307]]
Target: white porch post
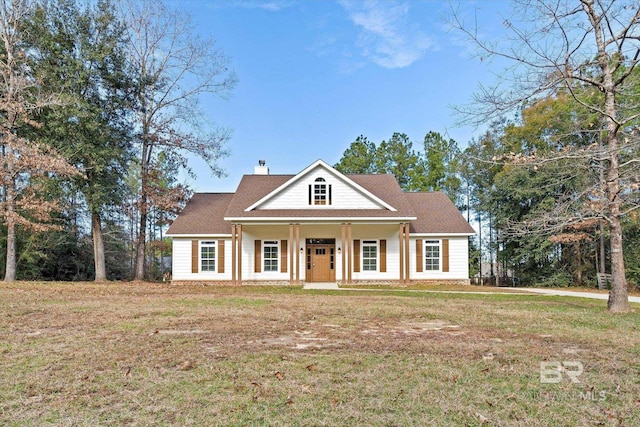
[[239, 240], [407, 260], [233, 254], [401, 252], [297, 250], [292, 249], [350, 254], [343, 276]]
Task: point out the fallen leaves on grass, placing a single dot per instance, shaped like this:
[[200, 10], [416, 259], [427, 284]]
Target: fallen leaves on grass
[[187, 365], [482, 418], [118, 352]]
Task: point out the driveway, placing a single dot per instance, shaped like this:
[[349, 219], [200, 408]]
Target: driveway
[[543, 291], [564, 293]]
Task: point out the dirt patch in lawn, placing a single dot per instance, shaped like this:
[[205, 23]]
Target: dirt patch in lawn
[[147, 354], [334, 336]]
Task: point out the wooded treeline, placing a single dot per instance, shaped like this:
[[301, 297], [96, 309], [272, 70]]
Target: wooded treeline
[[554, 181], [583, 54], [508, 198], [98, 111]]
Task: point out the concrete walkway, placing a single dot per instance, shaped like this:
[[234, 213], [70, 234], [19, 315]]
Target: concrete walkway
[[318, 285], [564, 293]]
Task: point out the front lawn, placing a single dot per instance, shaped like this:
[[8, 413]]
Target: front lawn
[[148, 354]]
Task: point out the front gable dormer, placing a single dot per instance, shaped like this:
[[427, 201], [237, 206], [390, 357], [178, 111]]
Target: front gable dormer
[[320, 187]]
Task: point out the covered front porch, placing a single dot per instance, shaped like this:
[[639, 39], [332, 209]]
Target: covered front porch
[[320, 252]]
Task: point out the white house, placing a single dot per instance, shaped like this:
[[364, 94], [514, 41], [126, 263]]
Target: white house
[[320, 226]]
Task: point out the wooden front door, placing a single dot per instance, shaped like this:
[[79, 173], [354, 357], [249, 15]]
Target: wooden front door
[[321, 263]]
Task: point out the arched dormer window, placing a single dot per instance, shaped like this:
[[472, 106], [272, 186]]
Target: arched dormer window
[[320, 192]]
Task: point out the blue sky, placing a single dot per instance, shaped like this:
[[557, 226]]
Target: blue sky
[[314, 75]]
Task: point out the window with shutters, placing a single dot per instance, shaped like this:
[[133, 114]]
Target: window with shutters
[[270, 255], [369, 255], [208, 256], [320, 193], [432, 255]]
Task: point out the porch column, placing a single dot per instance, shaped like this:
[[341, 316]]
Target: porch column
[[407, 259], [350, 254], [297, 257], [343, 253], [233, 254], [239, 230], [401, 252], [292, 249]]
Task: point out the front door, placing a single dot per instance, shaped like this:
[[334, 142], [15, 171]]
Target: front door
[[320, 262]]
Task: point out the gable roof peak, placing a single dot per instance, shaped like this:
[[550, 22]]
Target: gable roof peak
[[331, 170]]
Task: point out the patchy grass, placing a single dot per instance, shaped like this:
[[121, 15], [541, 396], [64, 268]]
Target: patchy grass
[[448, 287], [147, 354]]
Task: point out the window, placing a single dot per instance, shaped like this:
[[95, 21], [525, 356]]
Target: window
[[331, 259], [270, 255], [207, 256], [320, 192], [369, 255], [432, 255]]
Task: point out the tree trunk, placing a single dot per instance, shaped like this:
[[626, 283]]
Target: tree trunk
[[603, 259], [10, 272], [578, 265], [141, 245], [480, 248], [145, 160], [98, 248], [619, 294], [142, 231], [492, 277], [11, 265], [603, 184]]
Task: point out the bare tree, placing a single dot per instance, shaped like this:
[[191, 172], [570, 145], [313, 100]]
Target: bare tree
[[173, 68], [25, 165], [589, 49]]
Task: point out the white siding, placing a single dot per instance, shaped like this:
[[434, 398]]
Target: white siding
[[343, 195], [458, 253], [377, 232], [458, 259], [181, 260], [266, 232]]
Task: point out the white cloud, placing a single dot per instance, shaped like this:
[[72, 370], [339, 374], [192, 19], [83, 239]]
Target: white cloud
[[273, 5], [387, 36]]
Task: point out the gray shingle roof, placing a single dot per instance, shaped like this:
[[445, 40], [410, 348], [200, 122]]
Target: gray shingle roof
[[205, 212], [254, 187], [436, 214]]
